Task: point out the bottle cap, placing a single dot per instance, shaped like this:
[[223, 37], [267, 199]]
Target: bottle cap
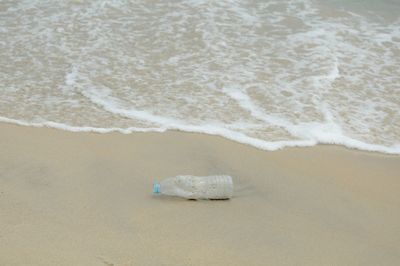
[[156, 188]]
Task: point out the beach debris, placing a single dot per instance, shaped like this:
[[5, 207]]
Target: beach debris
[[196, 187]]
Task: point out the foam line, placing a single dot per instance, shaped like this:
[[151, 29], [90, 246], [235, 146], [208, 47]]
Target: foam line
[[226, 133]]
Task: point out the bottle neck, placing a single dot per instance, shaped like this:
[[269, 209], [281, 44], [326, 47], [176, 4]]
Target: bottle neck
[[156, 188]]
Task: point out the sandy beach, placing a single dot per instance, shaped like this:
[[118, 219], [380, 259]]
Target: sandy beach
[[85, 199], [101, 99]]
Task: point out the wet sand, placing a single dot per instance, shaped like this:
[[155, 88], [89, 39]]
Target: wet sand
[[85, 199]]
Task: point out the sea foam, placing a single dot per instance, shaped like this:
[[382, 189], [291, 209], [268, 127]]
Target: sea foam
[[270, 74]]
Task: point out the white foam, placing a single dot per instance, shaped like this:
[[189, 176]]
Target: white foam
[[102, 98], [270, 75], [61, 126], [311, 134], [70, 77], [315, 133]]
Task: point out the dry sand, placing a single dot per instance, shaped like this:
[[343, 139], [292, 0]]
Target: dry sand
[[85, 199]]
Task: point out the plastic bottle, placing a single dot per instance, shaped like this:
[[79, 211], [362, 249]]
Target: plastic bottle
[[196, 187]]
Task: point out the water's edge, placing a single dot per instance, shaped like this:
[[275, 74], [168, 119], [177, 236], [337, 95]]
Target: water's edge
[[259, 144]]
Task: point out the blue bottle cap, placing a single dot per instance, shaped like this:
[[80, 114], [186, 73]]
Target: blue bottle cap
[[156, 188]]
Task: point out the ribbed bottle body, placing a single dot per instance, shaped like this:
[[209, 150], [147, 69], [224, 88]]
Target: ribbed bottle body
[[198, 187]]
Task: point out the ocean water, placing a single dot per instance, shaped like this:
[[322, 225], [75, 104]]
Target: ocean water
[[270, 74]]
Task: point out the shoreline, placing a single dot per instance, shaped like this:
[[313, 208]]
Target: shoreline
[[377, 148], [85, 199]]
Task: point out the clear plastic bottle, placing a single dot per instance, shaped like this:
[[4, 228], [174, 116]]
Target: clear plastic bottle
[[196, 187]]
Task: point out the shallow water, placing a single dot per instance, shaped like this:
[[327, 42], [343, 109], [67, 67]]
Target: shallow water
[[265, 73]]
